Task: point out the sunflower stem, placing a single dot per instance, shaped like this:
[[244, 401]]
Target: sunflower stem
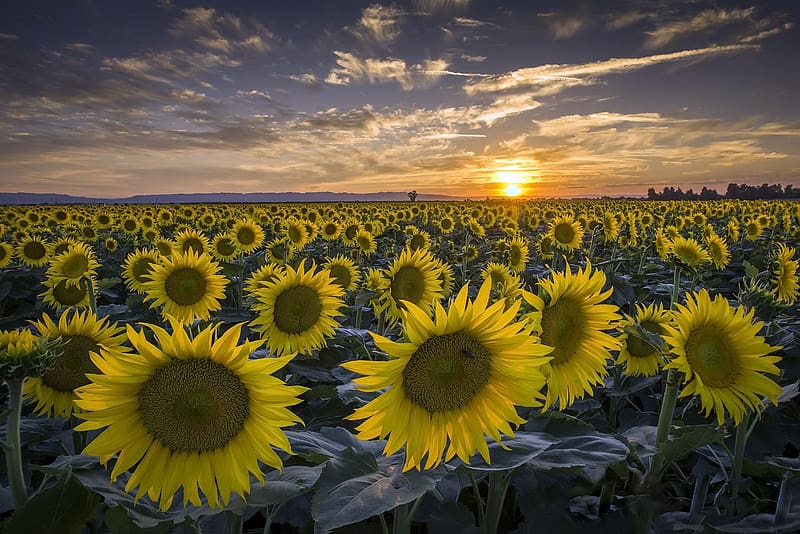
[[270, 514], [738, 455], [16, 476], [698, 498], [784, 499], [676, 285], [476, 492], [92, 297], [607, 495], [498, 487], [233, 523], [401, 523], [384, 526]]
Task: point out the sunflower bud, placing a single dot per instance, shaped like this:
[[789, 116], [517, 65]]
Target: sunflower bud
[[23, 354]]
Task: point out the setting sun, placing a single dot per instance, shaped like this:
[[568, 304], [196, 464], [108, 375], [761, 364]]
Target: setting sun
[[512, 190]]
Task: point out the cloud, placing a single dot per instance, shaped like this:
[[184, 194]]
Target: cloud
[[760, 36], [466, 22], [706, 20], [473, 59], [554, 78], [309, 79], [435, 6], [8, 37], [223, 32], [562, 25], [617, 21], [378, 24], [373, 70]]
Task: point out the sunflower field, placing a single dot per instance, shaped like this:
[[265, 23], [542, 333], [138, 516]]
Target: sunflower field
[[464, 367]]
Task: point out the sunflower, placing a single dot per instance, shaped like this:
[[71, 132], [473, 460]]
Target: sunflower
[[518, 253], [566, 232], [610, 226], [6, 254], [732, 228], [689, 252], [662, 244], [412, 277], [247, 236], [223, 247], [350, 232], [188, 285], [279, 251], [263, 276], [718, 251], [192, 240], [33, 251], [719, 349], [639, 356], [571, 318], [343, 271], [330, 230], [446, 224], [74, 265], [195, 414], [544, 246], [366, 242], [130, 225], [82, 333], [785, 274], [752, 230], [137, 267], [296, 235], [59, 295], [421, 239], [296, 312], [457, 379]]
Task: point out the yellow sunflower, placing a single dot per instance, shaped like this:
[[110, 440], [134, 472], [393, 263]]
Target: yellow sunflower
[[296, 312], [343, 271], [296, 235], [82, 333], [785, 274], [724, 359], [195, 414], [570, 316], [412, 277], [752, 230], [457, 379], [247, 236], [33, 251], [366, 242], [566, 232], [77, 263], [191, 240], [518, 253], [421, 239], [6, 254], [223, 247], [137, 266], [544, 246], [640, 357], [58, 295], [279, 251], [330, 230], [718, 251], [188, 285], [263, 276], [689, 252]]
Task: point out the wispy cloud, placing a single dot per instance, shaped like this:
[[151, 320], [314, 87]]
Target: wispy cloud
[[222, 32], [704, 21], [375, 70], [378, 25], [434, 6], [8, 37], [551, 79], [562, 25], [617, 21], [473, 59]]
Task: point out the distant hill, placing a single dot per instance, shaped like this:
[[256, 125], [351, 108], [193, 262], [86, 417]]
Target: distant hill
[[212, 198]]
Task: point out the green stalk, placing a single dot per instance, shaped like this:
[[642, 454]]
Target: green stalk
[[676, 284], [401, 523], [92, 297], [270, 514], [498, 486], [667, 406], [233, 523], [607, 495], [784, 500], [16, 476], [738, 455], [476, 492]]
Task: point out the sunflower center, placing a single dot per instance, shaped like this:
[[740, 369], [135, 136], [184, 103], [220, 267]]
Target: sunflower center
[[194, 244], [69, 370], [225, 247], [129, 225], [297, 309], [515, 254], [34, 250], [639, 348], [446, 372], [68, 295], [417, 241], [141, 269], [563, 325], [564, 233], [330, 229], [75, 266], [194, 405], [364, 242], [408, 284], [711, 357], [341, 275], [246, 236], [295, 234], [351, 231], [185, 286]]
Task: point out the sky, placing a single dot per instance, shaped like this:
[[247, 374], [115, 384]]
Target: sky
[[470, 98]]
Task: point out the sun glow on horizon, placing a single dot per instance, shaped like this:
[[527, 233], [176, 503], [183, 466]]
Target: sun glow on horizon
[[512, 190]]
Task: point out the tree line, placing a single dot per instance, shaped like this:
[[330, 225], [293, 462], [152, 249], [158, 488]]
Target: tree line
[[734, 191]]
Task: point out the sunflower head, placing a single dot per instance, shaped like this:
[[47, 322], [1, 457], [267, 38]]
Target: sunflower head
[[455, 381], [296, 312], [343, 271], [192, 413], [136, 269], [23, 354], [566, 233], [785, 270], [723, 357], [33, 251], [689, 253], [247, 236], [411, 277], [74, 265], [640, 340]]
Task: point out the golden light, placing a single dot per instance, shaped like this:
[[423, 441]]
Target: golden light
[[512, 190]]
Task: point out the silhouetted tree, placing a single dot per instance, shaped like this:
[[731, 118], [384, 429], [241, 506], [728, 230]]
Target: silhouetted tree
[[412, 195]]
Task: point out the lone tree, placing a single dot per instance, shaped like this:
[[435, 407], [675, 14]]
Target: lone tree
[[412, 195]]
